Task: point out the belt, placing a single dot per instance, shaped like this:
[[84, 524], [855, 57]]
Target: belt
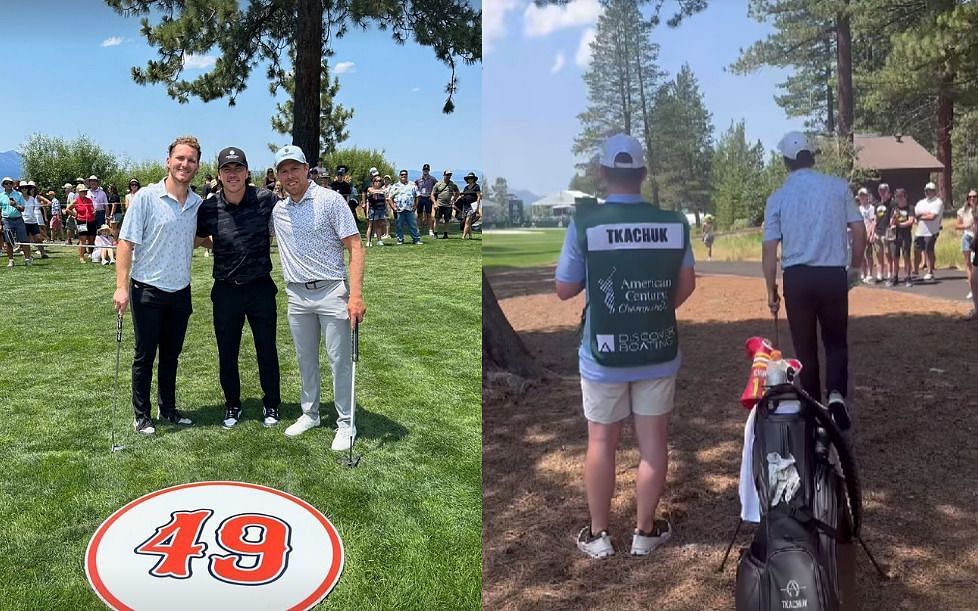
[[242, 282], [314, 284]]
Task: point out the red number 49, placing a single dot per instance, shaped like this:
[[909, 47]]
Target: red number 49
[[258, 547]]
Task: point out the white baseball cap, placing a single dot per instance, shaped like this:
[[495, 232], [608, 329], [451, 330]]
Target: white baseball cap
[[622, 151], [93, 177], [289, 152], [794, 143], [930, 187], [863, 191]]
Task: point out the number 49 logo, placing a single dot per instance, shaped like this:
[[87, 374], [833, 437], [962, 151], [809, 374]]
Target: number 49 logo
[[177, 543], [193, 544]]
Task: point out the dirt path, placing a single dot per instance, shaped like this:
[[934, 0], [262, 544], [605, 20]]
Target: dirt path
[[916, 413]]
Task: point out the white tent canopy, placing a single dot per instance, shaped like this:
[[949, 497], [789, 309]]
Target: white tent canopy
[[560, 198]]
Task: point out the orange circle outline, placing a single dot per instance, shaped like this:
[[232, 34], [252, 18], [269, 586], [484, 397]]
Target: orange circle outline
[[332, 577]]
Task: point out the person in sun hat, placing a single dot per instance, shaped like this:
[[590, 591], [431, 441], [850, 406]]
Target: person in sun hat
[[99, 198], [14, 228], [634, 280], [313, 229], [56, 223], [811, 217], [104, 243], [468, 204], [83, 211]]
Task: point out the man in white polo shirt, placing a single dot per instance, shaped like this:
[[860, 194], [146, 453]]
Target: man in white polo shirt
[[928, 212], [313, 226], [635, 262], [157, 242]]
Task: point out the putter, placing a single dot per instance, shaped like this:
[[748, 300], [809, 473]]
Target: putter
[[351, 460], [115, 399]]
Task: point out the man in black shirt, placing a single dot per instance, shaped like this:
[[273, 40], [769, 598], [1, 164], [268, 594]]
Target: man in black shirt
[[237, 220], [343, 186]]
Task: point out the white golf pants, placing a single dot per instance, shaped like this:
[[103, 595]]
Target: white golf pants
[[316, 313]]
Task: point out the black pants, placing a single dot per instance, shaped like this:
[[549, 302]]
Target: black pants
[[819, 297], [232, 304], [159, 319]]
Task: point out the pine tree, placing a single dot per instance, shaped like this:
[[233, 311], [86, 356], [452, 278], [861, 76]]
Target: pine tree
[[739, 185], [269, 31], [682, 131], [333, 117]]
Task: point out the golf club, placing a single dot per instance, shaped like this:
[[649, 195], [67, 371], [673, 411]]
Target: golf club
[[115, 399], [351, 460]]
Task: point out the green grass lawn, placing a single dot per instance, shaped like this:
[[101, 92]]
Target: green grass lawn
[[537, 247], [409, 515]]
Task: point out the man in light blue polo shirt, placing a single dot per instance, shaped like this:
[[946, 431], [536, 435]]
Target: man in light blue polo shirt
[[14, 229], [157, 241], [403, 198], [636, 265], [812, 216]]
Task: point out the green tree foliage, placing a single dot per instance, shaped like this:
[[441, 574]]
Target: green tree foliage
[[739, 186], [359, 161], [51, 161], [267, 32], [682, 132], [333, 117], [622, 77]]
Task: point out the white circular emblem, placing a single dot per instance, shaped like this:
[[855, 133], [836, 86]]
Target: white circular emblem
[[231, 152], [215, 545]]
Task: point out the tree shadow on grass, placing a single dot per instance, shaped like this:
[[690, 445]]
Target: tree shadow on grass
[[914, 448]]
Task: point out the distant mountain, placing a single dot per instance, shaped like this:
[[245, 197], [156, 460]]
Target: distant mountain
[[11, 164], [528, 197]]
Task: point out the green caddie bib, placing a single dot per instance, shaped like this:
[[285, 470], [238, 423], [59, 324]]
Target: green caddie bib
[[633, 255]]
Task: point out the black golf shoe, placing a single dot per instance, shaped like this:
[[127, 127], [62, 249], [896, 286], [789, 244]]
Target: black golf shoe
[[175, 417], [231, 416], [143, 426]]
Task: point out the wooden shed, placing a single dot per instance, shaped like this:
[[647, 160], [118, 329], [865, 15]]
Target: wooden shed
[[901, 163]]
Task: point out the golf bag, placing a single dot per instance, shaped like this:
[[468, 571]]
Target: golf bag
[[811, 508]]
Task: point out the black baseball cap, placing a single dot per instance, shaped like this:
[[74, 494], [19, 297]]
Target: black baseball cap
[[426, 167], [231, 155], [341, 169]]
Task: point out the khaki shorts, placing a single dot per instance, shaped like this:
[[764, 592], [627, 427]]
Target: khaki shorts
[[608, 403]]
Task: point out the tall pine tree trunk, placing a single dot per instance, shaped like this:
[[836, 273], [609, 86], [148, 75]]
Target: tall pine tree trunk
[[945, 122], [829, 94], [308, 75], [843, 52]]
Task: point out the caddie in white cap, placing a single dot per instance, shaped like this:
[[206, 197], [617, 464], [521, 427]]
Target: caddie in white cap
[[636, 264], [808, 216], [928, 212], [313, 226]]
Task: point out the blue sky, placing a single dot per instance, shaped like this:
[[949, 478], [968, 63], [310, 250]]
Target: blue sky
[[68, 73], [533, 89]]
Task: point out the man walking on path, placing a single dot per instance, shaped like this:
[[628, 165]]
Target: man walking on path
[[808, 216], [313, 227], [156, 242], [636, 264], [236, 218]]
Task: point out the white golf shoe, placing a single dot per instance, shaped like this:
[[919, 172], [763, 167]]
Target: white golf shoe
[[300, 426], [345, 435]]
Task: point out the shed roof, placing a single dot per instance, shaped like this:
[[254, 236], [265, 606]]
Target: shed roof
[[887, 153]]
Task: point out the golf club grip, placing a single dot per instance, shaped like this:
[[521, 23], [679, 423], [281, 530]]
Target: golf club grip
[[355, 352], [118, 328]]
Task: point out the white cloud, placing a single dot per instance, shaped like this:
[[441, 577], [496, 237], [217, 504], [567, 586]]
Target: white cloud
[[494, 21], [113, 41], [415, 89], [583, 56], [558, 63], [342, 67], [542, 21], [198, 62]]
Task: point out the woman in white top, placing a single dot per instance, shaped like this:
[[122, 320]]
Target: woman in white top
[[868, 211], [966, 225], [33, 217]]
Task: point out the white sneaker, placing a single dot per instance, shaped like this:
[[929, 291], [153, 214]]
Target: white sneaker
[[10, 262], [207, 253], [969, 295], [28, 262], [380, 242], [300, 426], [431, 233], [928, 276], [369, 244], [345, 435], [644, 544], [595, 546], [879, 277]]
